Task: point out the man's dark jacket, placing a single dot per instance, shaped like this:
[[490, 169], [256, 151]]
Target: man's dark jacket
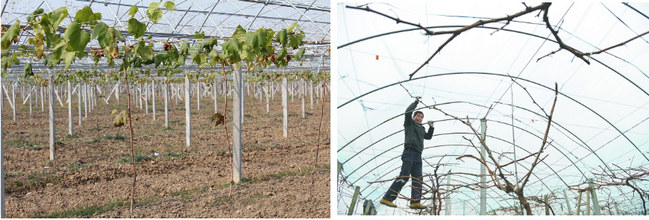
[[415, 133]]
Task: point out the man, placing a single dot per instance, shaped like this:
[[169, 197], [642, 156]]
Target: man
[[411, 158]]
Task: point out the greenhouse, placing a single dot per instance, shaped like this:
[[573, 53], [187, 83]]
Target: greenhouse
[[537, 108], [164, 109]]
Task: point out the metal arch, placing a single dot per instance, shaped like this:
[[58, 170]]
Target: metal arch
[[255, 18], [518, 107], [460, 133], [211, 20], [307, 17], [454, 133], [508, 76]]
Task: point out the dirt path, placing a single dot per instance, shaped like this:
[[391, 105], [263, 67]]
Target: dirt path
[[92, 174]]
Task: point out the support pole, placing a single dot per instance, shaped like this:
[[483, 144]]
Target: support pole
[[353, 204], [216, 101], [188, 120], [13, 99], [153, 98], [285, 105], [166, 94], [236, 124], [483, 171], [617, 207], [70, 119], [587, 203], [51, 111], [302, 89], [547, 206], [579, 204], [146, 98], [565, 195], [594, 200], [448, 198], [198, 96], [85, 100], [79, 97]]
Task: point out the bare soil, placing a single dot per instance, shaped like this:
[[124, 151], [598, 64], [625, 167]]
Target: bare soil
[[92, 173]]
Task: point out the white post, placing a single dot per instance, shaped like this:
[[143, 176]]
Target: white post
[[117, 92], [565, 195], [594, 200], [216, 101], [198, 96], [166, 93], [236, 124], [153, 97], [79, 97], [40, 88], [188, 120], [51, 109], [85, 100], [448, 198], [30, 102], [70, 120], [311, 93], [302, 89], [146, 98], [483, 171], [243, 98], [13, 99], [2, 168], [285, 105]]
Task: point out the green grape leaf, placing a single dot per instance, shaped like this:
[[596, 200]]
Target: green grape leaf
[[28, 70], [282, 37], [68, 58], [11, 35], [56, 17], [86, 15], [132, 11], [136, 28], [76, 38], [170, 6], [184, 48], [100, 32], [252, 39], [154, 12], [199, 35], [299, 54]]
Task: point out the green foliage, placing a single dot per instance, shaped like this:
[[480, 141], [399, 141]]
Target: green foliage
[[85, 15], [132, 11], [136, 28], [28, 70], [100, 32], [11, 36], [199, 35], [170, 6], [75, 37], [154, 12]]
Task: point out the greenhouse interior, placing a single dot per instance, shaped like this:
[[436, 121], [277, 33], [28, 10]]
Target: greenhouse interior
[[537, 108]]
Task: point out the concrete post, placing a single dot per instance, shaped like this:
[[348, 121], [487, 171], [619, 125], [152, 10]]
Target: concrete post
[[565, 195], [594, 200], [2, 168], [153, 98], [285, 105], [483, 171], [166, 94], [188, 120], [51, 113], [236, 125], [70, 120], [353, 204]]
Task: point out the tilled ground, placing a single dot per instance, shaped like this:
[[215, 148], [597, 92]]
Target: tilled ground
[[92, 174]]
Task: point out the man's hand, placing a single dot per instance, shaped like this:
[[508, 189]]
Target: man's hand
[[430, 123]]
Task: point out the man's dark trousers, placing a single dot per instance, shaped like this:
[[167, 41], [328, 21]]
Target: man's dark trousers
[[411, 167]]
